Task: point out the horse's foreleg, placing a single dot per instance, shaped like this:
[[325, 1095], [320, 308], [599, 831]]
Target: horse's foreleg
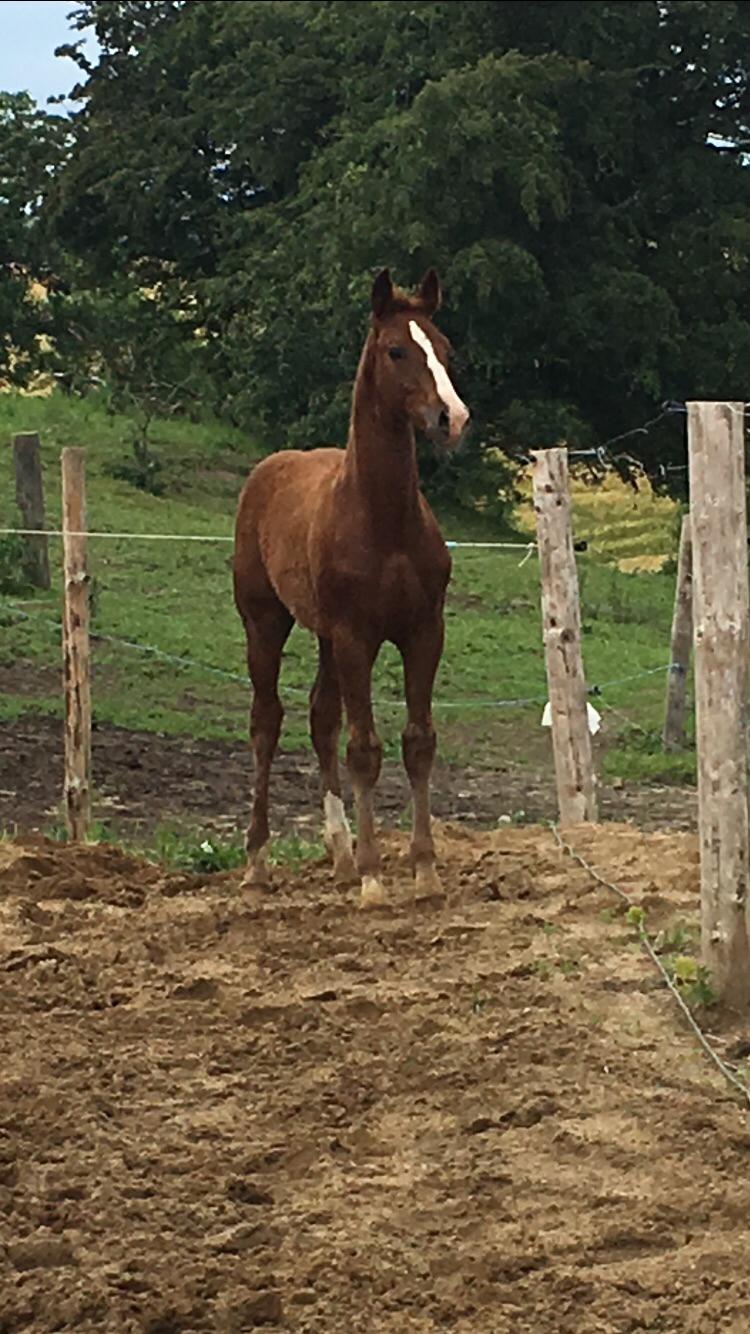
[[421, 655], [354, 659], [325, 726], [267, 630]]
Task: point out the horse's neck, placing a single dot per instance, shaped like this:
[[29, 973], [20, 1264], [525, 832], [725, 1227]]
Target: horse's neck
[[381, 458]]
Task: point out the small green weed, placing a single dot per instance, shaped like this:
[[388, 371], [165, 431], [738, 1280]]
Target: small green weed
[[542, 969], [692, 979], [610, 915], [678, 938], [635, 916], [545, 968], [569, 967]]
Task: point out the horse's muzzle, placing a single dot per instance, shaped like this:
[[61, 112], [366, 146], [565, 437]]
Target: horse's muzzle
[[448, 430]]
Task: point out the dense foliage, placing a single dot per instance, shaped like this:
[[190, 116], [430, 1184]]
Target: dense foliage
[[574, 169]]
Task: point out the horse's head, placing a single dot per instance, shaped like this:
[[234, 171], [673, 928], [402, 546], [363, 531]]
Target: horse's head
[[411, 359]]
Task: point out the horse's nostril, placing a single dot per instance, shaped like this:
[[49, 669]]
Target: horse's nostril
[[444, 420]]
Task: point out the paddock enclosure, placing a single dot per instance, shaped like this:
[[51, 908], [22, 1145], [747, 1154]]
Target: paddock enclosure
[[488, 1117], [519, 1109]]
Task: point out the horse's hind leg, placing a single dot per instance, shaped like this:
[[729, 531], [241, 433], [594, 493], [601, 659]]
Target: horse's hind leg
[[354, 659], [267, 626], [421, 655], [325, 726]]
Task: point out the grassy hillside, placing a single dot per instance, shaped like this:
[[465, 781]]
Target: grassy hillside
[[175, 597]]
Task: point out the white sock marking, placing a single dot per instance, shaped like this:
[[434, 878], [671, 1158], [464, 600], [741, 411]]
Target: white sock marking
[[457, 411], [336, 821]]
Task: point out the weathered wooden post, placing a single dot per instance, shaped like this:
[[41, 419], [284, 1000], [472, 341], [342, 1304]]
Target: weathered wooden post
[[30, 500], [571, 739], [673, 736], [76, 653], [720, 613]]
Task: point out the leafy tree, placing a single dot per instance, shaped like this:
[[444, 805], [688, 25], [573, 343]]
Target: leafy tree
[[32, 144], [132, 343], [575, 169]]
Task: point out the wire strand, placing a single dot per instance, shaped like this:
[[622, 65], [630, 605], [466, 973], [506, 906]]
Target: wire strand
[[728, 1074], [180, 660], [220, 537]]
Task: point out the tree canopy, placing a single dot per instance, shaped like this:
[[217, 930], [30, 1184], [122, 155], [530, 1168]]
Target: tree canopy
[[574, 169]]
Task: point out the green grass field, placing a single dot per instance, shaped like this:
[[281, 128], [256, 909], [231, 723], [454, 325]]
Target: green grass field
[[176, 597]]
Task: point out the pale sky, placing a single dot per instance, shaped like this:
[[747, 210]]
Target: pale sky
[[29, 32]]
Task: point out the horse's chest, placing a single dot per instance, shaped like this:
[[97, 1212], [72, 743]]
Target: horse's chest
[[406, 589]]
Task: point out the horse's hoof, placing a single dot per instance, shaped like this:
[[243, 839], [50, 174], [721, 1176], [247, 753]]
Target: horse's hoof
[[256, 873], [427, 884], [372, 894]]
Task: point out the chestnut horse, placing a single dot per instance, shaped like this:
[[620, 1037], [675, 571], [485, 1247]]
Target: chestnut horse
[[343, 542]]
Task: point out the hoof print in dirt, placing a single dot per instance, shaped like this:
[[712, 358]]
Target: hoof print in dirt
[[244, 1237], [253, 1310], [480, 1125], [198, 989], [246, 1192], [40, 1252], [36, 954], [490, 893], [529, 1113], [432, 900]]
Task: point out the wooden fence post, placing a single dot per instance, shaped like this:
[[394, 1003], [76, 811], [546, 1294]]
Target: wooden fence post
[[571, 739], [673, 736], [30, 499], [76, 654], [720, 611]]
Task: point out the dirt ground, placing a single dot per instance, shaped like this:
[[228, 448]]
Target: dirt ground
[[220, 1112], [143, 779]]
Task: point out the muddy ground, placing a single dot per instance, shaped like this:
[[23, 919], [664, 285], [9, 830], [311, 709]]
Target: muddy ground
[[142, 779], [219, 1113]]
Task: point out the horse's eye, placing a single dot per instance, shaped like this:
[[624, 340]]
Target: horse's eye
[[396, 353]]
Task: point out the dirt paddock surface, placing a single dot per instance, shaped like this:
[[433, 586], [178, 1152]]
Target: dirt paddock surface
[[220, 1113], [142, 779]]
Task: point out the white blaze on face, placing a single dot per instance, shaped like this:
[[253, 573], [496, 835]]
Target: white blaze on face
[[458, 412]]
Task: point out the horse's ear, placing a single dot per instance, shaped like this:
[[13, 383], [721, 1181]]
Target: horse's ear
[[430, 295], [382, 293]]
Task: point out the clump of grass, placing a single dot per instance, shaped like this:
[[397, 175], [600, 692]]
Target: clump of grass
[[98, 831], [199, 855], [293, 851], [13, 578]]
